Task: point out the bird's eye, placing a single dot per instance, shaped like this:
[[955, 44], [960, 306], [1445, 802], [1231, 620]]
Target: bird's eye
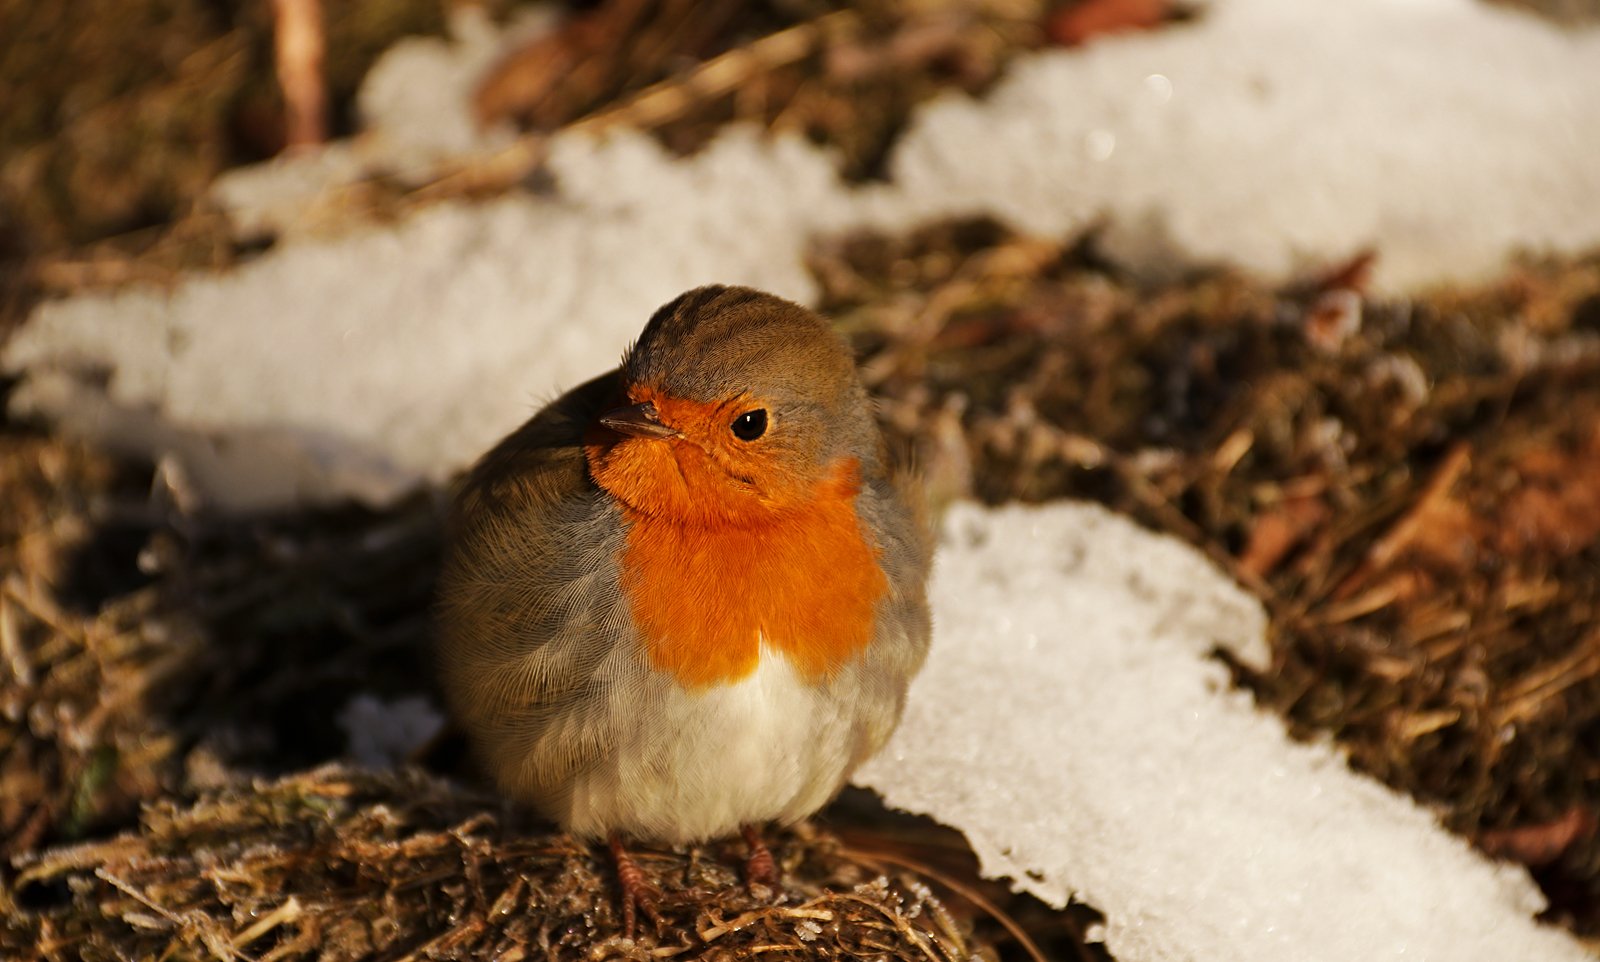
[[750, 425]]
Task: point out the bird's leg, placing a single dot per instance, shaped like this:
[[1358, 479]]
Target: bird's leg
[[635, 890], [759, 868]]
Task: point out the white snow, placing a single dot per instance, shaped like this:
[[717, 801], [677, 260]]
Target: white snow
[[1069, 720], [1446, 132], [416, 348], [1070, 724]]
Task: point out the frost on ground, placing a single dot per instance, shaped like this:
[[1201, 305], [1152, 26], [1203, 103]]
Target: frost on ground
[[1445, 133], [1069, 721], [1071, 725]]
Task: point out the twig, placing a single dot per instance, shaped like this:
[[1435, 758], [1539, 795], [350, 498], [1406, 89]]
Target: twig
[[1404, 531], [297, 37], [669, 99], [651, 107], [289, 911], [1525, 697], [875, 859]]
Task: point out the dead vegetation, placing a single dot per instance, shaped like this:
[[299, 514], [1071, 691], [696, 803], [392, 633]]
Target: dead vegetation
[[170, 684], [336, 863], [105, 173], [1409, 485]]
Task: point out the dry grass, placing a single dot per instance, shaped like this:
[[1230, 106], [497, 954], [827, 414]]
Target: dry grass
[[1409, 485], [337, 863]]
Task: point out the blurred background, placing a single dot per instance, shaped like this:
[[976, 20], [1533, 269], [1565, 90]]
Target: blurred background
[[1409, 481]]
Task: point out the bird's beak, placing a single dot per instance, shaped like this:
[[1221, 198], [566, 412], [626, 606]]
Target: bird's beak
[[639, 421]]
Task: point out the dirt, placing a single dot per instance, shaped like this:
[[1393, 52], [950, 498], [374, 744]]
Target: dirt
[[1407, 483]]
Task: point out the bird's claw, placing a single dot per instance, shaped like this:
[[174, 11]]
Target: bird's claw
[[759, 866], [636, 892]]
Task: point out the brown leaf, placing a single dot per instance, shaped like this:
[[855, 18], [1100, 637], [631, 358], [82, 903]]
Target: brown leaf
[[618, 49], [1082, 22], [1543, 843], [523, 86], [1436, 522], [1335, 314], [1353, 274], [1448, 536], [1333, 319], [1276, 531], [1556, 507]]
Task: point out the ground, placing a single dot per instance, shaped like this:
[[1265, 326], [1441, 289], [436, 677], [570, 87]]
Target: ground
[[1411, 486]]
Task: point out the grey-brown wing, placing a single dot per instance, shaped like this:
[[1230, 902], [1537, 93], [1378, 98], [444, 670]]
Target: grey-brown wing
[[530, 615]]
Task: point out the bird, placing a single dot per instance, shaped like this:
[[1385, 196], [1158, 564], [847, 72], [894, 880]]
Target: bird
[[687, 597]]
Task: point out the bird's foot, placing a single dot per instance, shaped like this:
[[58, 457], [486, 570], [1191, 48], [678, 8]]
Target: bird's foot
[[759, 867], [636, 892]]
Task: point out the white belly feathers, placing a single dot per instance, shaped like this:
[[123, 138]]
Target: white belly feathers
[[770, 747]]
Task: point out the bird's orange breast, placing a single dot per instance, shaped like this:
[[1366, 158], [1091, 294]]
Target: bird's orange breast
[[707, 596]]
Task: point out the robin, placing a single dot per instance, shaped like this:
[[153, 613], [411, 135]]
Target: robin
[[686, 597]]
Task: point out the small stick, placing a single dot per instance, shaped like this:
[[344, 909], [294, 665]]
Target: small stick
[[967, 892], [297, 37], [1404, 531]]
